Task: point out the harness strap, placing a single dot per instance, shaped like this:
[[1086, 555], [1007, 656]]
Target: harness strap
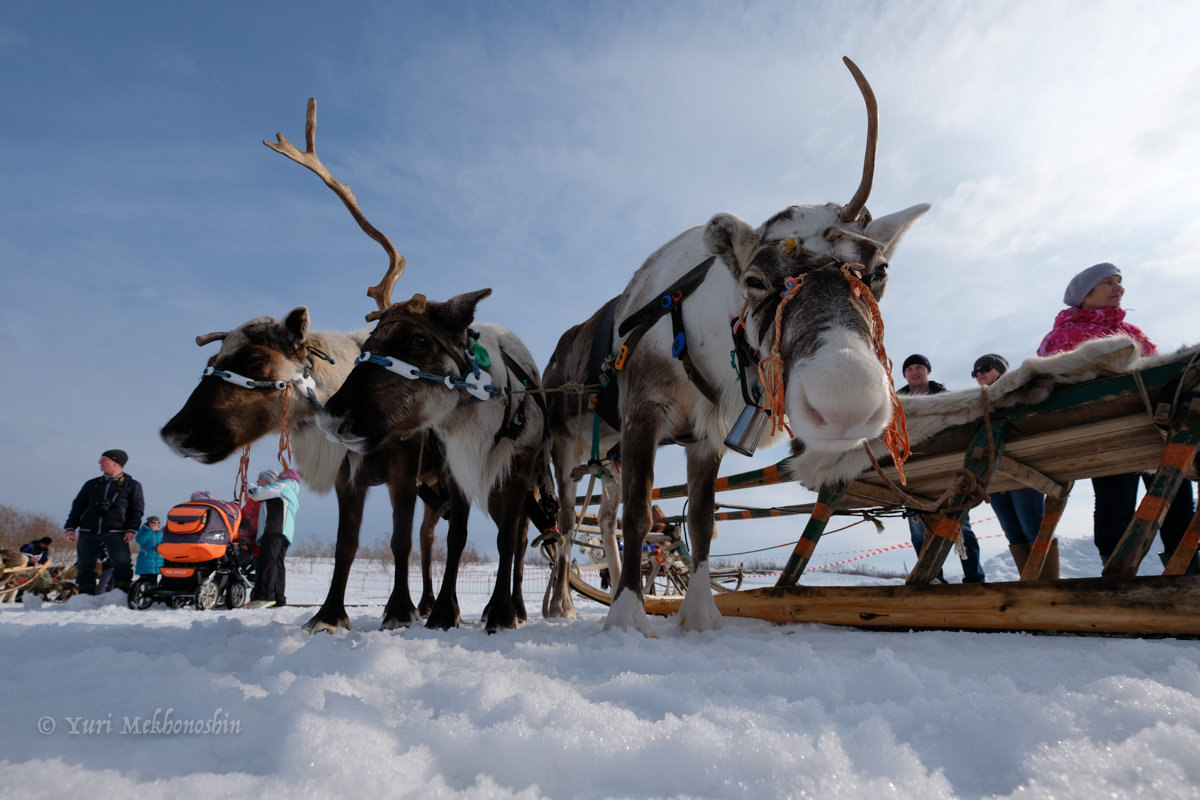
[[670, 301], [679, 350], [606, 401]]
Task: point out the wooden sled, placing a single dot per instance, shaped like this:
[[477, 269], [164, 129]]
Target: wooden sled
[[1145, 419]]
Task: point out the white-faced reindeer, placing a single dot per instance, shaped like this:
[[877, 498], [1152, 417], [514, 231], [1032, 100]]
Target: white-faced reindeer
[[268, 369], [801, 288], [429, 367]]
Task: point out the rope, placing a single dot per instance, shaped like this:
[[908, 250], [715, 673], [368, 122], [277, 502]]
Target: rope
[[242, 480], [285, 432], [964, 482]]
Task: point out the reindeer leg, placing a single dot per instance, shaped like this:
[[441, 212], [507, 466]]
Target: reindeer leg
[[557, 603], [518, 577], [639, 440], [428, 525], [400, 611], [507, 506], [698, 611], [332, 613], [610, 501], [444, 614]]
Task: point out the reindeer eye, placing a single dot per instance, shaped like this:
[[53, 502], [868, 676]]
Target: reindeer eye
[[417, 342], [755, 283]]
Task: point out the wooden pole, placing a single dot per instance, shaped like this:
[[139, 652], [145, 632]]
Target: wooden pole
[[1139, 536], [1142, 606], [943, 530], [1045, 537], [827, 498]]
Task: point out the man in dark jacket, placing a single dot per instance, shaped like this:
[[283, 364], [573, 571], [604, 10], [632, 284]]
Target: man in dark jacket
[[38, 550], [108, 511], [916, 374]]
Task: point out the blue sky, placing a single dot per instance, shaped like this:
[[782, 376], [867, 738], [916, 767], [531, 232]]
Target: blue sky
[[544, 149]]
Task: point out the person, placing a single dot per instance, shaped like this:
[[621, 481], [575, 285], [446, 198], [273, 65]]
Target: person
[[1093, 300], [916, 371], [148, 538], [38, 550], [247, 550], [107, 511], [1019, 511], [279, 499]]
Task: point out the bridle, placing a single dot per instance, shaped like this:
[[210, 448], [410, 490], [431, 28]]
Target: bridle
[[302, 382], [770, 368], [476, 381]]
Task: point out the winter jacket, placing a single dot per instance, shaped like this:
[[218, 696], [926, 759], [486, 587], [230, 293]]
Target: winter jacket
[[285, 490], [107, 504], [934, 388], [38, 553], [1074, 326], [149, 562]]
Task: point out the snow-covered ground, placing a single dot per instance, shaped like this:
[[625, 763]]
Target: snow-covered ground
[[99, 700]]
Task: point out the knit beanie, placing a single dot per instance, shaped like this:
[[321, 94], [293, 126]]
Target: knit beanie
[[917, 358], [990, 361], [1085, 281], [119, 456], [268, 475]]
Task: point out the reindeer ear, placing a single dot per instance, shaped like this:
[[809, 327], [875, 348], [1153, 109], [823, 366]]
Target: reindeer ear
[[296, 324], [888, 230], [731, 240], [460, 309]]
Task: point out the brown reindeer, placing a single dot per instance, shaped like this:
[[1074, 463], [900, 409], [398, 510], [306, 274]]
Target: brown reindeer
[[247, 390], [265, 366], [430, 367], [795, 294]]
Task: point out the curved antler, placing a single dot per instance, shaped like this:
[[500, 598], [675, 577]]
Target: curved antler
[[382, 291], [851, 210], [208, 338]]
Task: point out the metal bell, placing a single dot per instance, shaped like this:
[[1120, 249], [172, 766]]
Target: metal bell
[[747, 431]]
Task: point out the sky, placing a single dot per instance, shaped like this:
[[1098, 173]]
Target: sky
[[544, 150], [566, 710]]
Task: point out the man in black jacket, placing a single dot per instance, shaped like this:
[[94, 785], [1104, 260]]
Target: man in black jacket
[[108, 511]]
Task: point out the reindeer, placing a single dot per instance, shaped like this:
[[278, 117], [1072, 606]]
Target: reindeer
[[796, 296], [247, 392], [407, 381], [578, 421]]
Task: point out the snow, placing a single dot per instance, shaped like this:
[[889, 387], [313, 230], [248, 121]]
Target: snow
[[564, 709]]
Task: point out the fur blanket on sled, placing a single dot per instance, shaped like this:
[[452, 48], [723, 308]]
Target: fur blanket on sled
[[1030, 383]]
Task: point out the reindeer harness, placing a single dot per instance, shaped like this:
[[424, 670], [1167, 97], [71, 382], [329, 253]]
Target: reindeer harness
[[303, 381], [476, 381]]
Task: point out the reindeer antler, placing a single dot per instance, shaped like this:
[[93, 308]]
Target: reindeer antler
[[851, 210], [382, 291], [208, 338]]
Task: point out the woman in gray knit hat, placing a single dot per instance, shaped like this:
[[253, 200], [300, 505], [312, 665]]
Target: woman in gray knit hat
[[1094, 311]]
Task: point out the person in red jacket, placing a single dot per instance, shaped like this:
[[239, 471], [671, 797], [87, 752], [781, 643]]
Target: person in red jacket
[[1093, 299]]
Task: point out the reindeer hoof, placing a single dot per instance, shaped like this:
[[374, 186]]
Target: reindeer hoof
[[320, 624], [403, 618]]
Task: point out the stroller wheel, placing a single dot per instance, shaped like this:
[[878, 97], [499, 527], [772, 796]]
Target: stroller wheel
[[207, 594], [178, 601], [140, 596], [236, 598]]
